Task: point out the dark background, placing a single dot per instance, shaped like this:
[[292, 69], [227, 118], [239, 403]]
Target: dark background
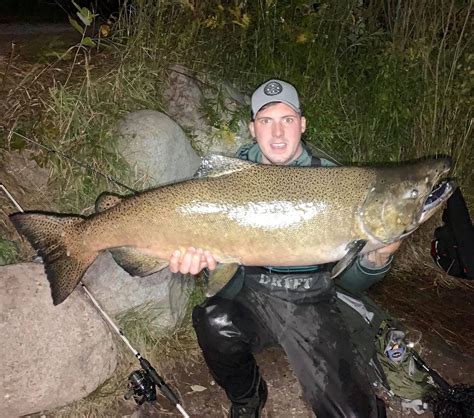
[[35, 11]]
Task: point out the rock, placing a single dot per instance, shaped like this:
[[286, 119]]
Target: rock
[[188, 94], [27, 182], [165, 294], [51, 355], [225, 141], [156, 147], [185, 99]]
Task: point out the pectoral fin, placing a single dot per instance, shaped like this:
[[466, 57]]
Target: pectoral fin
[[353, 250], [219, 277], [135, 263]]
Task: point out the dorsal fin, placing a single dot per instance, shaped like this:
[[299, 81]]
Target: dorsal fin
[[106, 201], [219, 165]]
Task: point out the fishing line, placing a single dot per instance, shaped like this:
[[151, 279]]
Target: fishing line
[[139, 391], [147, 367], [61, 154]]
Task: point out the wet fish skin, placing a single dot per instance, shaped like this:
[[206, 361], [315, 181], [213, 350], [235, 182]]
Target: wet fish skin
[[132, 260], [245, 213]]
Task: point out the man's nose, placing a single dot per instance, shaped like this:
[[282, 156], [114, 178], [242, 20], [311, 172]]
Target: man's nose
[[277, 129]]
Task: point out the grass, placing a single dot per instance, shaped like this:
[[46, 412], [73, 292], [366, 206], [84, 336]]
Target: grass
[[9, 252], [164, 347], [414, 259], [384, 82]]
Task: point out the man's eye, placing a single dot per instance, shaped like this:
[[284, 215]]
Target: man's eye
[[264, 121], [289, 120]]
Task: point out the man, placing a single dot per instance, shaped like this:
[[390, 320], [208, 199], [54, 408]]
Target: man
[[293, 307]]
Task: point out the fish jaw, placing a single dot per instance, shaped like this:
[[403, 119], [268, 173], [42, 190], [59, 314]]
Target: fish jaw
[[402, 198], [437, 197]]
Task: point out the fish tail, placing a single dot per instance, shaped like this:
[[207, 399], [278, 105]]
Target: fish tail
[[56, 239]]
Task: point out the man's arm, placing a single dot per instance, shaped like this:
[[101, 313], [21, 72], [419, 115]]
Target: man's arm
[[368, 269]]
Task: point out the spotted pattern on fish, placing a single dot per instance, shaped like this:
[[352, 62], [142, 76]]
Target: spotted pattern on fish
[[246, 213], [106, 201]]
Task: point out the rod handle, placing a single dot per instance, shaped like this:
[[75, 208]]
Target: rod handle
[[164, 388]]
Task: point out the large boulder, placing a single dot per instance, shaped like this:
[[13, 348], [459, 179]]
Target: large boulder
[[189, 97], [23, 178], [164, 294], [50, 355], [156, 148], [185, 99]]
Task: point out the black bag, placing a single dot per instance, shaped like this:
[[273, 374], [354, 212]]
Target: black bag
[[453, 245]]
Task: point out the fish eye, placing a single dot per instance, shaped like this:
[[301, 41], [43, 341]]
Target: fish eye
[[414, 194]]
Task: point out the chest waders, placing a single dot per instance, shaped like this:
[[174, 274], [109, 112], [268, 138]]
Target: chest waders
[[298, 312]]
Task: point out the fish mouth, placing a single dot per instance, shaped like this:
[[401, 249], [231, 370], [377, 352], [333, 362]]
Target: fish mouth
[[440, 194]]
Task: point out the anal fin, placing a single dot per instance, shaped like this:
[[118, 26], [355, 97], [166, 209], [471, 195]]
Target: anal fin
[[136, 263]]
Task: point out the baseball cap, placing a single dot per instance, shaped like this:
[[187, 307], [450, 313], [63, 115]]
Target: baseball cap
[[275, 91]]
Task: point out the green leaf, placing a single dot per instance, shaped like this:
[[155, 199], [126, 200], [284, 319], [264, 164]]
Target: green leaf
[[76, 25], [87, 41], [83, 13], [84, 18]]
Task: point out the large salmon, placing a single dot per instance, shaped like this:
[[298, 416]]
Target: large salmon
[[246, 213]]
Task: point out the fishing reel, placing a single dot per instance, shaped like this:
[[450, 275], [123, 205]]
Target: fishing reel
[[141, 387]]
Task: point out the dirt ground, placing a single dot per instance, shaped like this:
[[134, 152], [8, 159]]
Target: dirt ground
[[445, 316], [455, 363], [285, 399]]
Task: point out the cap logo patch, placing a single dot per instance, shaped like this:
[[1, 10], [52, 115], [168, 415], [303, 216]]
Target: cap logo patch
[[273, 88]]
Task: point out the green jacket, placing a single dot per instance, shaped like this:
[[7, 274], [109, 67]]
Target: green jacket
[[361, 274]]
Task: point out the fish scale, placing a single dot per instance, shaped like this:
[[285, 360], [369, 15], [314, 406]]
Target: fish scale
[[242, 212]]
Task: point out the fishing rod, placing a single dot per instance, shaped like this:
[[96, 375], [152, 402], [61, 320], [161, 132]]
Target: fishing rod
[[437, 379], [143, 382], [448, 400]]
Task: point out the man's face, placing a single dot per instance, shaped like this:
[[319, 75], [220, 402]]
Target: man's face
[[277, 129]]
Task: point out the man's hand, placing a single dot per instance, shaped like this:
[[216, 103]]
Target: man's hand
[[192, 261], [380, 257]]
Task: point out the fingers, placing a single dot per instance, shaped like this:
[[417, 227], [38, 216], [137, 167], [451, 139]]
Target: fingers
[[175, 261], [210, 260], [192, 261], [394, 246], [382, 256], [389, 249]]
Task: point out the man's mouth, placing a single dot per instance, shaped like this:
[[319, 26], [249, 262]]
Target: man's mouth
[[278, 145]]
